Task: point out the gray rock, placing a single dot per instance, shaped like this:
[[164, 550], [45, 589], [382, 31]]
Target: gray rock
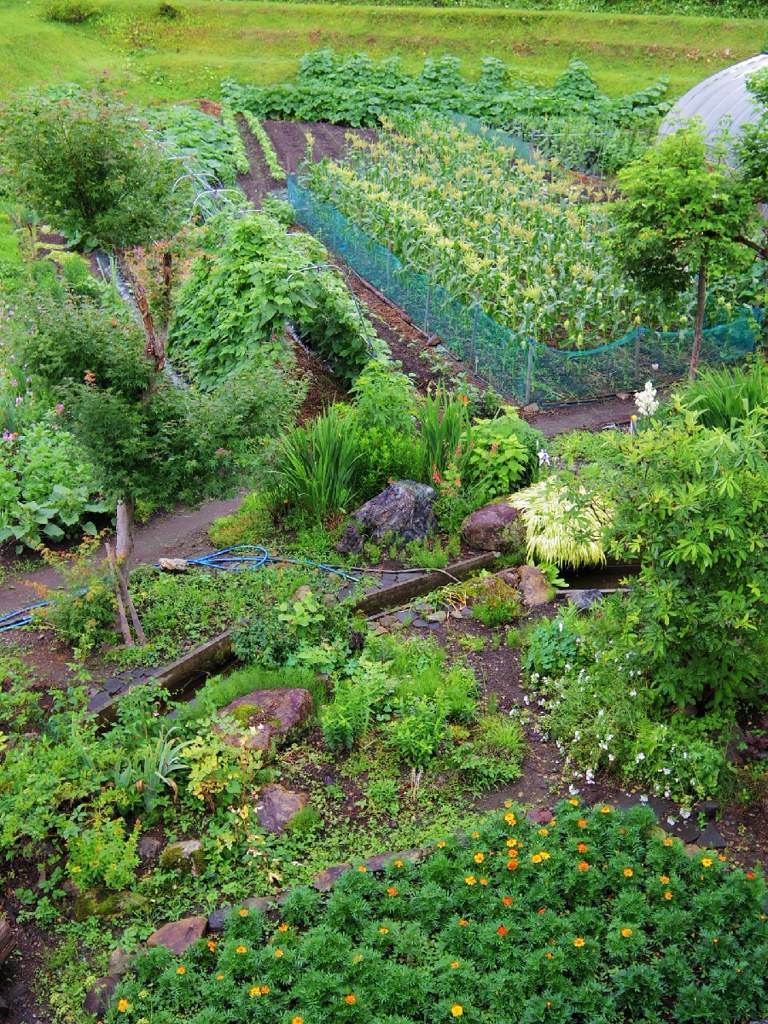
[[256, 904], [275, 713], [494, 527], [383, 860], [402, 511], [178, 936], [708, 808], [277, 805], [534, 586], [173, 564], [98, 999], [119, 963], [149, 849], [710, 838], [187, 856], [585, 599], [325, 880]]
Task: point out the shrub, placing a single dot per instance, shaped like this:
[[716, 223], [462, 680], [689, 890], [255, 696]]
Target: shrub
[[347, 718], [418, 730], [316, 466], [632, 917], [504, 456], [498, 604], [564, 521], [559, 645], [726, 398], [70, 12], [103, 853]]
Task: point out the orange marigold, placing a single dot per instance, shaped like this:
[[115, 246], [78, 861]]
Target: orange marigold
[[391, 891], [583, 866], [578, 942], [350, 999], [122, 1005], [181, 970], [628, 872]]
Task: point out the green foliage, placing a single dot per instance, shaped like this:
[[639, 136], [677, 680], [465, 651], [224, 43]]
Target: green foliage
[[495, 755], [70, 12], [498, 604], [252, 279], [206, 145], [250, 524], [103, 853], [504, 456], [556, 646], [611, 935], [259, 132], [385, 398], [219, 691], [727, 398], [572, 120], [431, 553], [306, 822], [347, 718], [417, 731], [81, 160], [48, 487], [564, 521], [82, 612], [446, 434], [316, 467], [690, 506]]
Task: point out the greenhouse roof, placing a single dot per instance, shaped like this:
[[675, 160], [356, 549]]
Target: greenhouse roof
[[719, 100]]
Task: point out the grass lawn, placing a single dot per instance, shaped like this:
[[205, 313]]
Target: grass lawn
[[153, 57]]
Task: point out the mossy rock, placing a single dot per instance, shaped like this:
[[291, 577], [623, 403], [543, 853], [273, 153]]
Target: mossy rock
[[185, 858], [105, 905]]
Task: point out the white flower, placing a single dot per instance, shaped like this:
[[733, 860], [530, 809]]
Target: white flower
[[640, 757], [645, 400], [643, 799]]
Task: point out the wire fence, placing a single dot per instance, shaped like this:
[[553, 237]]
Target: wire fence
[[521, 368]]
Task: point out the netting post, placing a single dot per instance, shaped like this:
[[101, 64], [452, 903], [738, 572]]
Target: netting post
[[426, 310], [475, 311], [529, 372], [638, 336], [389, 265]]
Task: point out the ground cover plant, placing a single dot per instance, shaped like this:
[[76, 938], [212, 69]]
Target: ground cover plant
[[491, 230], [588, 918], [210, 146]]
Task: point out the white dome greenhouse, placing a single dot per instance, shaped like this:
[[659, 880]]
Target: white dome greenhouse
[[720, 101]]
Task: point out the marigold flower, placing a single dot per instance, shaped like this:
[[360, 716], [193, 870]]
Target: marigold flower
[[507, 803], [475, 835], [667, 895], [605, 809], [536, 858], [255, 991], [582, 847], [582, 822], [241, 949], [455, 964], [283, 927], [457, 1010], [463, 922], [219, 977], [391, 891], [511, 865], [398, 863], [664, 879], [715, 940], [510, 818], [470, 880], [628, 872], [122, 1005], [441, 844], [626, 932], [668, 841], [501, 930], [550, 956], [721, 856], [243, 911], [483, 881], [541, 910], [578, 942], [507, 901], [181, 970], [211, 945], [573, 802], [750, 875], [707, 862], [362, 867], [279, 953], [297, 1020], [350, 999], [383, 931], [583, 866], [543, 831], [479, 858]]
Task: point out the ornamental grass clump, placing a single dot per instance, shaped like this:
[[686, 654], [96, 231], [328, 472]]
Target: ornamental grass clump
[[597, 916]]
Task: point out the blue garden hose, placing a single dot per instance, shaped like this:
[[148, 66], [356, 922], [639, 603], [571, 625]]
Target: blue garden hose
[[226, 558]]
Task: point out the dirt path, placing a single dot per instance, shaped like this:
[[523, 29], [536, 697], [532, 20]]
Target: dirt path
[[176, 534], [289, 139]]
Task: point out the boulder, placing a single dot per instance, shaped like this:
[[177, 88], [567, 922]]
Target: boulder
[[534, 586], [98, 998], [256, 904], [325, 880], [269, 715], [495, 527], [178, 936], [277, 805], [187, 857], [119, 963], [403, 511], [585, 599], [149, 850]]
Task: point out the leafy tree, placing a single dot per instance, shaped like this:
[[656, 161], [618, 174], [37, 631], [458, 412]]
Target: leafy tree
[[684, 215], [87, 165], [149, 440]]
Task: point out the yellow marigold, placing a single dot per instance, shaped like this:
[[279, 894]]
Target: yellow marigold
[[510, 818], [664, 879], [279, 953], [479, 858], [211, 945], [455, 964], [605, 809], [578, 942], [573, 802], [707, 862], [297, 1020], [241, 949], [544, 854], [122, 1005], [475, 835], [362, 868], [507, 803], [543, 831], [243, 911], [628, 872], [219, 977], [667, 895], [181, 970], [398, 863], [441, 844], [457, 1010], [255, 991], [536, 858], [383, 931], [626, 932], [668, 841], [470, 880]]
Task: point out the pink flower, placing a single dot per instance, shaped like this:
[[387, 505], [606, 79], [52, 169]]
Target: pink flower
[[59, 407]]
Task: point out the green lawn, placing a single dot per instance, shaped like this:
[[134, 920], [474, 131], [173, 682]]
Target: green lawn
[[156, 58]]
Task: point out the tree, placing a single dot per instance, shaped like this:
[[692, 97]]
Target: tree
[[149, 440], [684, 216]]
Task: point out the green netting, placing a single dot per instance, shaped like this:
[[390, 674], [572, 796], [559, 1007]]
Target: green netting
[[521, 368], [519, 146]]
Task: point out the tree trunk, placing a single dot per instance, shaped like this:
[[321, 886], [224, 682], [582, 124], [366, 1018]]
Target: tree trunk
[[698, 330], [124, 534]]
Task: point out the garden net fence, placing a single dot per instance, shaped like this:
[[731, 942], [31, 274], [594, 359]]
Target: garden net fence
[[521, 368]]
